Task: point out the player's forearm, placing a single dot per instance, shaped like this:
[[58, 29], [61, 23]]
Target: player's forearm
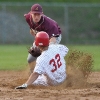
[[32, 78], [52, 40], [32, 32]]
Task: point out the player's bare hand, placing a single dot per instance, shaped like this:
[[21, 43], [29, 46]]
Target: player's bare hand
[[24, 86]]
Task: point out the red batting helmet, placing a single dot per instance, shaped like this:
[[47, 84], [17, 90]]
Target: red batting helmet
[[42, 39]]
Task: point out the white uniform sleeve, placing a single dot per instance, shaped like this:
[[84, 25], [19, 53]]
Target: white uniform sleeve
[[63, 50], [39, 68]]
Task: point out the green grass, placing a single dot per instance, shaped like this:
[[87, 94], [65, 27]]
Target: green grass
[[14, 57]]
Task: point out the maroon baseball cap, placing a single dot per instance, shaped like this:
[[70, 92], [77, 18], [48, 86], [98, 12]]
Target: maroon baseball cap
[[36, 8]]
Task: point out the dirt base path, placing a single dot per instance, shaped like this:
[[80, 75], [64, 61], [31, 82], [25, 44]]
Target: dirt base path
[[10, 79]]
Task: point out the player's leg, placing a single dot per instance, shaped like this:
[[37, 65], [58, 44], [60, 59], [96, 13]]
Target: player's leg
[[55, 40], [41, 81], [31, 60], [58, 39]]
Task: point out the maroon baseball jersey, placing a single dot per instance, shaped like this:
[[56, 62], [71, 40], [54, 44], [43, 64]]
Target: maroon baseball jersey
[[45, 24]]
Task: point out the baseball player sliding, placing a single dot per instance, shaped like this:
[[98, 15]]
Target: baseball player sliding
[[50, 68]]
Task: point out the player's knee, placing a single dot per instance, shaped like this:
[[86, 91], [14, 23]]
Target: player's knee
[[30, 58]]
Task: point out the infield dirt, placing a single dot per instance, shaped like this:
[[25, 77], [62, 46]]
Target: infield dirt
[[75, 88]]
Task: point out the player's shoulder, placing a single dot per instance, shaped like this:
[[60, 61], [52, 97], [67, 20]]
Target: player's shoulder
[[58, 46], [42, 58], [54, 46], [27, 16], [48, 19]]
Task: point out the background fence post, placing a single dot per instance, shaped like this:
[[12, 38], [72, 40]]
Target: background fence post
[[66, 24]]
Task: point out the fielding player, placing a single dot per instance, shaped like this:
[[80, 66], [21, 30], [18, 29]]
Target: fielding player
[[37, 22], [50, 69]]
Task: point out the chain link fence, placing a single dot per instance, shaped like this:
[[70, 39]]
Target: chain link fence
[[80, 23]]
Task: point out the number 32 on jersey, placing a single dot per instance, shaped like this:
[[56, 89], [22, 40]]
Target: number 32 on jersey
[[56, 63]]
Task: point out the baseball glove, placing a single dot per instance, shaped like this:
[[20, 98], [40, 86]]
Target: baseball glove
[[34, 51], [24, 86]]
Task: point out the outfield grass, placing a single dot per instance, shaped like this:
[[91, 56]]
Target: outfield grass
[[14, 57]]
